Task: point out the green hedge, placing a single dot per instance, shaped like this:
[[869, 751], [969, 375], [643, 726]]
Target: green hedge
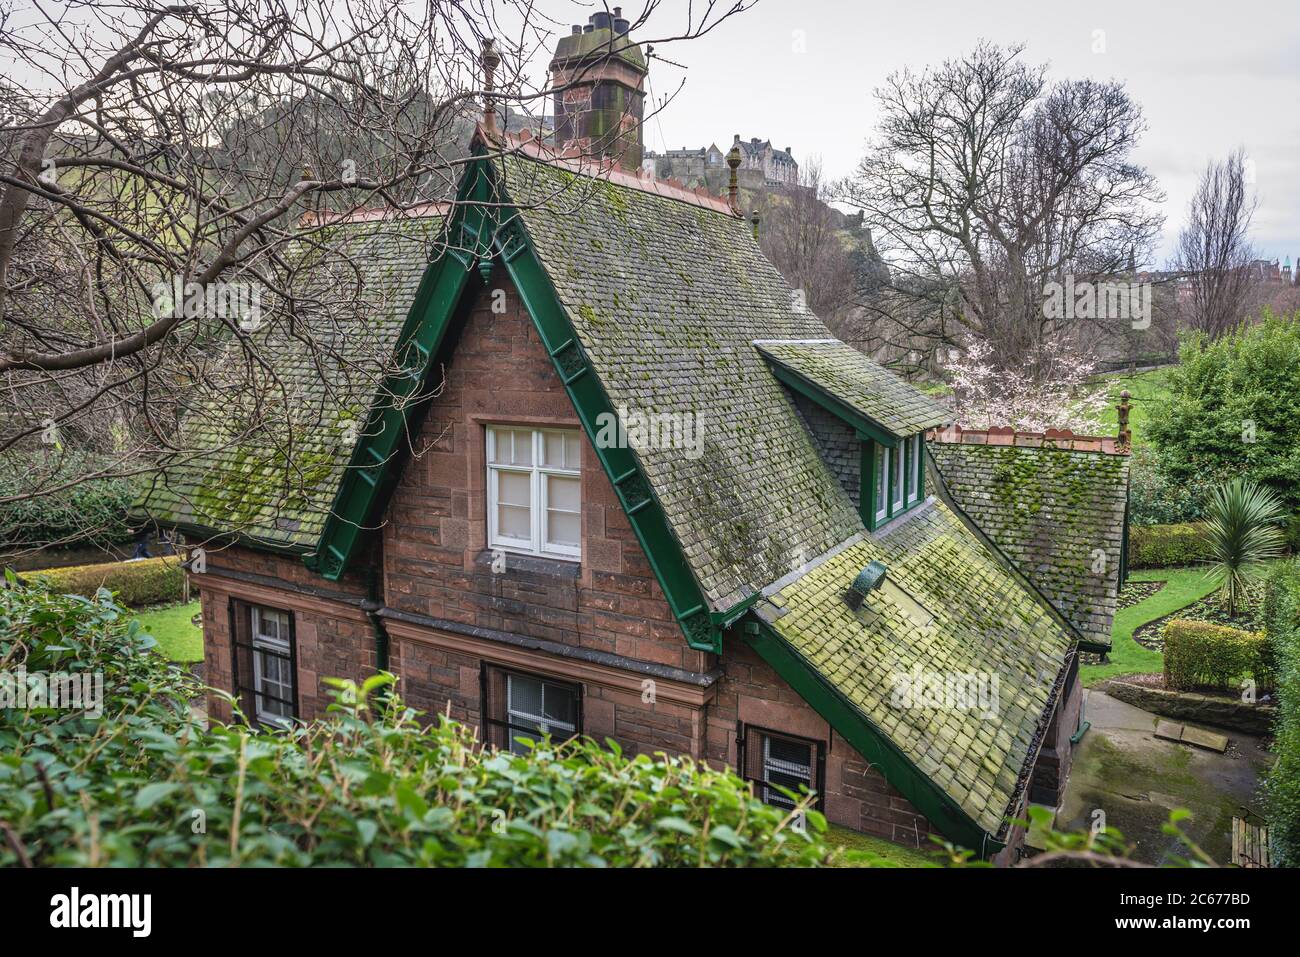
[[1281, 791], [1201, 654], [368, 785], [89, 512], [149, 581], [1163, 546]]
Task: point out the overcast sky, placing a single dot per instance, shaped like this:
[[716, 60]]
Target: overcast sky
[[1209, 74]]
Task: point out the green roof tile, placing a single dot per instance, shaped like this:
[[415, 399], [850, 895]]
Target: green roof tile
[[268, 470], [667, 297]]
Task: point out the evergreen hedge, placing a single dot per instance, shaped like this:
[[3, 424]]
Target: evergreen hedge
[[1201, 654], [1163, 546], [144, 785], [1281, 790], [146, 581]]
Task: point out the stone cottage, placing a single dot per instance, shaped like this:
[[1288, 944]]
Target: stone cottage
[[613, 479]]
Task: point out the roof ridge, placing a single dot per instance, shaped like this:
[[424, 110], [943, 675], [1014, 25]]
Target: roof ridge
[[527, 145], [1005, 435], [371, 214]]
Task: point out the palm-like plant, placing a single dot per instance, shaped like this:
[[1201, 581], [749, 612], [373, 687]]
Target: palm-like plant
[[1241, 529]]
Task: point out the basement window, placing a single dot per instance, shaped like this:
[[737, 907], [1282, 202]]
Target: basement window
[[534, 491], [523, 707], [772, 761]]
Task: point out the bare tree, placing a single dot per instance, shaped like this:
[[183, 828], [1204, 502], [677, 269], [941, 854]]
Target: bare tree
[[1213, 248], [156, 157], [983, 184], [803, 237]]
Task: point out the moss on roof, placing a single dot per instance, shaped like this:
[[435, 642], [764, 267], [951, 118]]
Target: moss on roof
[[839, 370], [1058, 514], [597, 43], [266, 446], [986, 625], [667, 297]]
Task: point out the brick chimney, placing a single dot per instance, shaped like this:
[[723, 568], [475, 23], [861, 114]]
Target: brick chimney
[[598, 74]]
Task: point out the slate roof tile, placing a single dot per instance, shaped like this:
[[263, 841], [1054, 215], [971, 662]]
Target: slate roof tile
[[986, 626], [1058, 514]]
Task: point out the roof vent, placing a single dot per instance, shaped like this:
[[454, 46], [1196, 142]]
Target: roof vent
[[874, 577], [868, 580]]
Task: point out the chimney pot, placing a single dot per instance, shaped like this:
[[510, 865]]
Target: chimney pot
[[577, 29]]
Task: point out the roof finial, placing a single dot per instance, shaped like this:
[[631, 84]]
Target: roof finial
[[754, 219], [1125, 436], [490, 60], [733, 188]]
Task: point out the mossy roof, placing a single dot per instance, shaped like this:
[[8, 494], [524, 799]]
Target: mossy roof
[[986, 625], [595, 44], [1058, 514], [838, 370], [667, 297], [271, 442]]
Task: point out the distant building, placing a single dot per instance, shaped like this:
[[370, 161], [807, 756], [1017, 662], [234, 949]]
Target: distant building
[[761, 164], [777, 166], [687, 165]]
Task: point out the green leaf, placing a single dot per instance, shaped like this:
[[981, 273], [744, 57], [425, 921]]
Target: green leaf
[[151, 794]]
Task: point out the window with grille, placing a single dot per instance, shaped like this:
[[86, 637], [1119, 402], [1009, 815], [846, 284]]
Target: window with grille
[[534, 486], [264, 663], [773, 761], [523, 706]]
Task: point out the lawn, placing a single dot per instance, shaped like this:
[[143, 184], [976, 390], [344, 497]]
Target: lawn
[[892, 854], [178, 639], [1183, 587], [1146, 388]]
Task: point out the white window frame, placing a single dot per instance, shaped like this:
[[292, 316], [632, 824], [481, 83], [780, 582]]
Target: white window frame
[[881, 481], [897, 480], [279, 645], [537, 498], [914, 467]]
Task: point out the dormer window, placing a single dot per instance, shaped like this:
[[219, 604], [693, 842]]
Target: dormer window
[[894, 478], [867, 423]]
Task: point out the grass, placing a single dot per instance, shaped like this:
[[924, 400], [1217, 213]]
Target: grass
[[1147, 389], [1183, 587], [891, 854], [177, 639]]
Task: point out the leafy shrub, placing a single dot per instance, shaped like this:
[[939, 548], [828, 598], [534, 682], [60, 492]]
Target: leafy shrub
[[367, 785], [1234, 408], [1241, 532], [1281, 789], [1156, 499], [1201, 654], [1161, 546], [93, 511], [148, 581]]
